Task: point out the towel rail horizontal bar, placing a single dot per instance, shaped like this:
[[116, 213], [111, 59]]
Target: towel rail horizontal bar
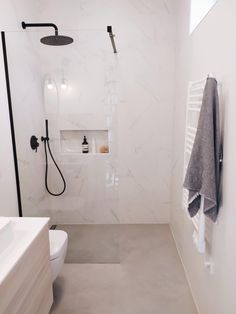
[[188, 151], [195, 96], [194, 109], [189, 146], [195, 102], [191, 133], [190, 143], [192, 128], [197, 86], [203, 80], [193, 89], [190, 136], [197, 82], [190, 140]]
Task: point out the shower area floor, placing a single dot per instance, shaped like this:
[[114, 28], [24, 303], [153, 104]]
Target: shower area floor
[[121, 269], [92, 243]]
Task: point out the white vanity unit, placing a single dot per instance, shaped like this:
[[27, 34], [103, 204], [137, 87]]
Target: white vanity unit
[[25, 271]]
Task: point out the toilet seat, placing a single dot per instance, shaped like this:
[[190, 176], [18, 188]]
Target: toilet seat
[[58, 242]]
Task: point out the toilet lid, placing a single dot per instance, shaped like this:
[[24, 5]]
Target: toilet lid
[[57, 240]]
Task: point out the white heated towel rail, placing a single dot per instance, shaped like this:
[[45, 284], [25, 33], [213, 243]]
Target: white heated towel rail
[[202, 226]]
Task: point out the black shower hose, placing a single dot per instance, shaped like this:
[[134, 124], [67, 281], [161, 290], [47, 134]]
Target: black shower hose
[[47, 145]]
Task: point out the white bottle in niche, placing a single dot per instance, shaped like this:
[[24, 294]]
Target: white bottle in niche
[[85, 146], [93, 145]]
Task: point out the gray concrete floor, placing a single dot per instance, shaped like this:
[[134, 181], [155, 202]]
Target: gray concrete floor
[[97, 244], [148, 280]]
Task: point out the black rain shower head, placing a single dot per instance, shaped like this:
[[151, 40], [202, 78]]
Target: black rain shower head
[[54, 40]]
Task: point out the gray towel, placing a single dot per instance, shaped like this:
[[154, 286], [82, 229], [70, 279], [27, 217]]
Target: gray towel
[[203, 172]]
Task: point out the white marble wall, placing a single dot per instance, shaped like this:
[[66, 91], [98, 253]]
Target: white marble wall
[[130, 93]]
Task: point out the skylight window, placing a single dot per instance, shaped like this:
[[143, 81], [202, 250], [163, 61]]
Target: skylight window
[[199, 9]]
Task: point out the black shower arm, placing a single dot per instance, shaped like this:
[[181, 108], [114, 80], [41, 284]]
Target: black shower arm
[[25, 25]]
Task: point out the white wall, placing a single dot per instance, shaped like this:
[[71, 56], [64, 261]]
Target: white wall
[[210, 48]]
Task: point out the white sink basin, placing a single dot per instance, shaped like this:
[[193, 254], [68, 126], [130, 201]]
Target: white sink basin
[[4, 221], [16, 236]]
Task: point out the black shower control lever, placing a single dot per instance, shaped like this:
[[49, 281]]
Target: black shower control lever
[[34, 144]]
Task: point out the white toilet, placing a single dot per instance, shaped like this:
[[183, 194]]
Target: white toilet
[[58, 240]]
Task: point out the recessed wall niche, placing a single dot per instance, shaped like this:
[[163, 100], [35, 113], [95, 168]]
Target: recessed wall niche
[[71, 141]]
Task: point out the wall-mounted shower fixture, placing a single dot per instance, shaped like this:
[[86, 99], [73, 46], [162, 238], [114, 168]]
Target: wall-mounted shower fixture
[[54, 40], [34, 144], [45, 140], [111, 35]]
